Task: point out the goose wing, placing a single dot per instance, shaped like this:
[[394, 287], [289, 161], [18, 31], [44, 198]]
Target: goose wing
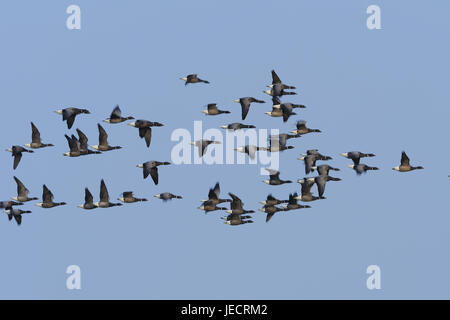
[[405, 159], [116, 113], [35, 134], [104, 195], [102, 136], [47, 195], [22, 191]]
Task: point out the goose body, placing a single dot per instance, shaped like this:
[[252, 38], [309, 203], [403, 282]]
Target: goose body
[[36, 142], [237, 126], [306, 195], [404, 164], [103, 144], [69, 115], [47, 199], [202, 145], [303, 129], [274, 178], [17, 154], [22, 192], [245, 104], [88, 201], [167, 196], [292, 203], [214, 195], [82, 143], [361, 168], [193, 78], [212, 110], [16, 214], [272, 201], [104, 198], [271, 210], [250, 150], [145, 129], [151, 168], [116, 116], [356, 156], [128, 197]]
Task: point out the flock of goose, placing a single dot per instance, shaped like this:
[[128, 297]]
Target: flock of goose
[[236, 215]]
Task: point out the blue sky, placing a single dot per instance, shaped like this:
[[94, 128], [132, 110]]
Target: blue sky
[[380, 91]]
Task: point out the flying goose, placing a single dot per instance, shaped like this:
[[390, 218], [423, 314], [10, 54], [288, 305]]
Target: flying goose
[[306, 195], [277, 104], [17, 154], [277, 81], [151, 168], [250, 150], [292, 203], [276, 90], [127, 197], [17, 214], [9, 204], [277, 145], [245, 104], [192, 78], [74, 147], [237, 206], [276, 110], [212, 110], [404, 164], [272, 201], [47, 199], [361, 168], [356, 156], [310, 162], [324, 169], [303, 129], [236, 219], [36, 142], [237, 126], [271, 210], [321, 182], [209, 206], [69, 115], [274, 178], [88, 201], [316, 153], [22, 192], [213, 195], [104, 198], [202, 145], [283, 137], [287, 112], [83, 144], [167, 196], [116, 116], [103, 144], [145, 130]]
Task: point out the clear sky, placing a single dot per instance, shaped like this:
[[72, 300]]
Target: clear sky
[[379, 91]]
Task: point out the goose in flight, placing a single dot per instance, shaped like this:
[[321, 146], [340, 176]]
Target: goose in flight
[[202, 145], [74, 147], [36, 142], [361, 168], [47, 199], [271, 210], [277, 81], [250, 150], [283, 137], [83, 144], [245, 104], [213, 111], [310, 162], [321, 181], [272, 201], [237, 126], [17, 154], [214, 195], [165, 196], [404, 164], [306, 195], [69, 114], [88, 201], [104, 198], [145, 129], [303, 129], [292, 203], [151, 168], [17, 214], [324, 169], [277, 145], [274, 178], [209, 206], [9, 204], [356, 156], [116, 116], [237, 206], [22, 192], [103, 144], [128, 197], [235, 219], [192, 78]]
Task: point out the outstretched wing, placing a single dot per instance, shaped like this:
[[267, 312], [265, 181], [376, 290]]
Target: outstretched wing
[[405, 159], [35, 134], [116, 113], [102, 136], [22, 191], [104, 196], [275, 78]]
